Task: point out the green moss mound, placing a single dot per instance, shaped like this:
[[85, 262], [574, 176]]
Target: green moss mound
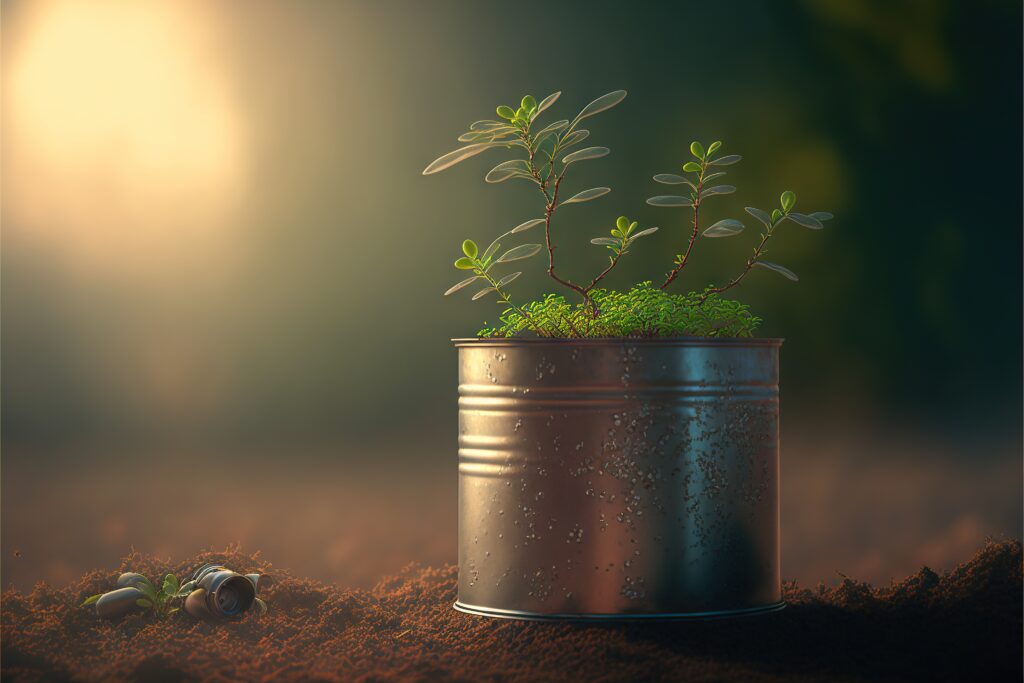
[[643, 311]]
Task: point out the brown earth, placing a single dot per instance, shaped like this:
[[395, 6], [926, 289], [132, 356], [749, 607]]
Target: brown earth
[[964, 625]]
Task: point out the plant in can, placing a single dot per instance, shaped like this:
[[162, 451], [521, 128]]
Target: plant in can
[[543, 158]]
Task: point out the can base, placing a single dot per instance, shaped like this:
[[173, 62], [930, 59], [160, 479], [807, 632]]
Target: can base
[[654, 616]]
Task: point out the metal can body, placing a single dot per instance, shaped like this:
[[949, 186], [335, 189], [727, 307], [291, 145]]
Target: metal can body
[[618, 478]]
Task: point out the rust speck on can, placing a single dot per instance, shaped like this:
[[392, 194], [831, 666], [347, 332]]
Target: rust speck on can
[[611, 479]]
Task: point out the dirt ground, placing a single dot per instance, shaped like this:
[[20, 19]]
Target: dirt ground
[[964, 625], [874, 508]]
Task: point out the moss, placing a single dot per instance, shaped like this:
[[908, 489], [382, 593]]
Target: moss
[[643, 311]]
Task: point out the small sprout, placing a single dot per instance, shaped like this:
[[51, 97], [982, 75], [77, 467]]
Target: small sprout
[[543, 157], [159, 601]]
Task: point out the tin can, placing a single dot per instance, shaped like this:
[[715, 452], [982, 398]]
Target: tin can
[[618, 478]]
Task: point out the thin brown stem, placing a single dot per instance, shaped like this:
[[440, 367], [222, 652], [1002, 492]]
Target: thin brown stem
[[693, 236], [746, 268], [614, 262], [551, 203]]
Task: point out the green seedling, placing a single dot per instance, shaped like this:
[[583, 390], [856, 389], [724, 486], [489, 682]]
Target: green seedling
[[543, 158], [160, 601]]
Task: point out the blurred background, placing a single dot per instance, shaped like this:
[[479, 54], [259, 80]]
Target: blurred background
[[221, 267]]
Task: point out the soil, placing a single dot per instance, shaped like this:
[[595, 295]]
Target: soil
[[964, 625]]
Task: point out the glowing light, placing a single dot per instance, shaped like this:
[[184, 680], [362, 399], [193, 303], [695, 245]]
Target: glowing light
[[118, 124]]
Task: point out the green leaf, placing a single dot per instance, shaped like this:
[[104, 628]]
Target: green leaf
[[692, 167], [760, 215], [586, 154], [805, 221], [547, 102], [697, 150], [528, 103], [185, 589], [711, 176], [469, 248], [171, 585], [149, 590], [787, 199], [508, 278], [717, 189], [669, 200], [622, 223], [713, 147], [551, 128], [821, 215], [485, 124], [489, 252], [776, 215], [508, 169], [602, 103], [465, 263], [606, 242], [464, 283], [781, 270], [645, 232], [724, 228], [487, 132], [727, 160], [143, 602], [91, 600], [505, 112], [451, 158], [483, 292], [587, 195], [526, 225], [519, 253], [573, 138], [671, 179]]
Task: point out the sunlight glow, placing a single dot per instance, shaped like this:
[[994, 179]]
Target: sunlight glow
[[117, 115]]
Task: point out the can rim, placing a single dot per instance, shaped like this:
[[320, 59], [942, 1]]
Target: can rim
[[620, 341]]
